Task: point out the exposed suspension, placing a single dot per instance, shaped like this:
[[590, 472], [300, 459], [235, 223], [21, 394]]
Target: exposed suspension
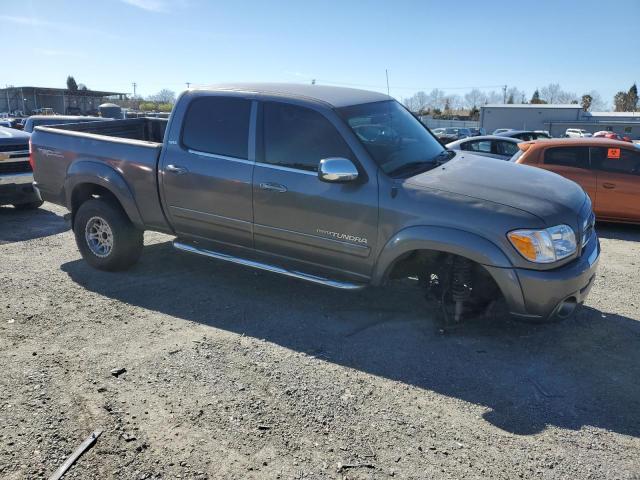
[[460, 285]]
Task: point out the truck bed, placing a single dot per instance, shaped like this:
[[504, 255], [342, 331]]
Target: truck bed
[[128, 148], [144, 129]]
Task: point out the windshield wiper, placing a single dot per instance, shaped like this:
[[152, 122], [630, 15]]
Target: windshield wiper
[[423, 165], [412, 167]]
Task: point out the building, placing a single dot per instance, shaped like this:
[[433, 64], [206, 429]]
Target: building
[[30, 100], [557, 118]]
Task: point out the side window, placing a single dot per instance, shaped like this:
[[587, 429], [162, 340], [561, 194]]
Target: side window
[[299, 137], [218, 125], [507, 148], [577, 157], [483, 146], [617, 160]]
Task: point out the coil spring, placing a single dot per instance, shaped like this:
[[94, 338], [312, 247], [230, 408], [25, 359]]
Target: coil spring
[[461, 279]]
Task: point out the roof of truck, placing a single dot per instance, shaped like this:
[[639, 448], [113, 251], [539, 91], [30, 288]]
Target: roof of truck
[[335, 96]]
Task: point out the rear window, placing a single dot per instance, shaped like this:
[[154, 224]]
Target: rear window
[[577, 157], [218, 125]]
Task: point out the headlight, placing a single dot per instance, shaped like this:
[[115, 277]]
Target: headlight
[[544, 246]]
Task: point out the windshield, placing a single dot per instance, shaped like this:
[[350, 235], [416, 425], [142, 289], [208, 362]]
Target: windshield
[[395, 139]]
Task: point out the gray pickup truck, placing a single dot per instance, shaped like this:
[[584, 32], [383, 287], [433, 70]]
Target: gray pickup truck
[[340, 187]]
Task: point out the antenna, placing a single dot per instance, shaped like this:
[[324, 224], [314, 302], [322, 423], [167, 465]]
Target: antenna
[[387, 74]]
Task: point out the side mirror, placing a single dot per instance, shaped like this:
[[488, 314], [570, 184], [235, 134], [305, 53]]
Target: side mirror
[[337, 170]]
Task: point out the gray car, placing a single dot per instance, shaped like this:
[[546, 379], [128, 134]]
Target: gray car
[[339, 187], [494, 146]]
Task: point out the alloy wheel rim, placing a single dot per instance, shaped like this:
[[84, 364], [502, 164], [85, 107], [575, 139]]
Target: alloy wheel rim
[[99, 237]]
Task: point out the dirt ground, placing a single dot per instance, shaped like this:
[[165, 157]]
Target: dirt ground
[[232, 373]]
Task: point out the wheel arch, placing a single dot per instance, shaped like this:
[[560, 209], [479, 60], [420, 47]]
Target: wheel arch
[[90, 179], [417, 240]]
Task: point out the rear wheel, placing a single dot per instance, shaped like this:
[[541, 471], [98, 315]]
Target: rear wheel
[[28, 206], [105, 236]]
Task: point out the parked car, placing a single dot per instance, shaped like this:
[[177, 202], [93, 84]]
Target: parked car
[[476, 132], [451, 134], [494, 146], [612, 136], [577, 133], [16, 176], [526, 135], [339, 187], [608, 170], [498, 131], [38, 120]]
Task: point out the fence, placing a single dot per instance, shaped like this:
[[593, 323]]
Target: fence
[[433, 123]]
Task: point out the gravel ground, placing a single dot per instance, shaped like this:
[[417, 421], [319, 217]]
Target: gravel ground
[[232, 373]]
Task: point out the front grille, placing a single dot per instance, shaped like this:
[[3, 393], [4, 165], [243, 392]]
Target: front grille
[[587, 228], [14, 167], [14, 148]]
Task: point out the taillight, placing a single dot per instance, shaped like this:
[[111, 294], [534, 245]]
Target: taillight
[[31, 156]]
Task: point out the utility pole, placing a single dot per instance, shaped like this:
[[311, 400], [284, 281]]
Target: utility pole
[[386, 72], [504, 94], [188, 84], [134, 88]]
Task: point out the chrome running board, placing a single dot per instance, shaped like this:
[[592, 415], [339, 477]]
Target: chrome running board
[[269, 268]]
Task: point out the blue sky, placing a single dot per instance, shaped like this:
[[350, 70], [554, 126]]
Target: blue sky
[[108, 44]]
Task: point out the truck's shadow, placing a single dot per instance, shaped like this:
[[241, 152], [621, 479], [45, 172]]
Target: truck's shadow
[[583, 372], [21, 225]]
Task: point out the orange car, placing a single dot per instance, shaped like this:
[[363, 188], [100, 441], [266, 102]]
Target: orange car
[[608, 170]]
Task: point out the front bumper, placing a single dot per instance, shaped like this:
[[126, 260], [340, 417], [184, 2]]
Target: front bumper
[[17, 188], [542, 294]]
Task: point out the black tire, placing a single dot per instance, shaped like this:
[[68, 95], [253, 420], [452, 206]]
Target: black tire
[[105, 236], [28, 206]]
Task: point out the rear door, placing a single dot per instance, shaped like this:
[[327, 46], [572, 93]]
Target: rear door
[[331, 225], [207, 167], [618, 183], [572, 163]]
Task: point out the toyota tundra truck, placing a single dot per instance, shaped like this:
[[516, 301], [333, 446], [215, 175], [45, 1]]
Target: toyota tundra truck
[[339, 187]]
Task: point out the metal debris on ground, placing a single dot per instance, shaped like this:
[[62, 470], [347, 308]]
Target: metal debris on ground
[[84, 446]]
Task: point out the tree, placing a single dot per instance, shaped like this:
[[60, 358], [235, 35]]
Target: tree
[[510, 99], [535, 98], [447, 106], [72, 86], [586, 102], [475, 98], [620, 101], [632, 99], [597, 104], [163, 96]]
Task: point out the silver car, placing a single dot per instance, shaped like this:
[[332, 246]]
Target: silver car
[[494, 146]]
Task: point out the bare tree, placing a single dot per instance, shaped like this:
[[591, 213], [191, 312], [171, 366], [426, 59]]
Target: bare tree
[[163, 96], [550, 93], [475, 98], [436, 99]]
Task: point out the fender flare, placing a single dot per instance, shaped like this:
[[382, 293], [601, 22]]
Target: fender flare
[[441, 239], [84, 172]]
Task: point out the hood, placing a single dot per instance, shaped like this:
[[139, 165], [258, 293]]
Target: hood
[[544, 194], [11, 136]]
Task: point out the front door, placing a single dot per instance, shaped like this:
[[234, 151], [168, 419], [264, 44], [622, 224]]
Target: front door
[[572, 163], [618, 173], [330, 225], [207, 168]]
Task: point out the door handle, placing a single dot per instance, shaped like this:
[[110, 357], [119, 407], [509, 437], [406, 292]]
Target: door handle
[[609, 185], [176, 169], [273, 187]]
